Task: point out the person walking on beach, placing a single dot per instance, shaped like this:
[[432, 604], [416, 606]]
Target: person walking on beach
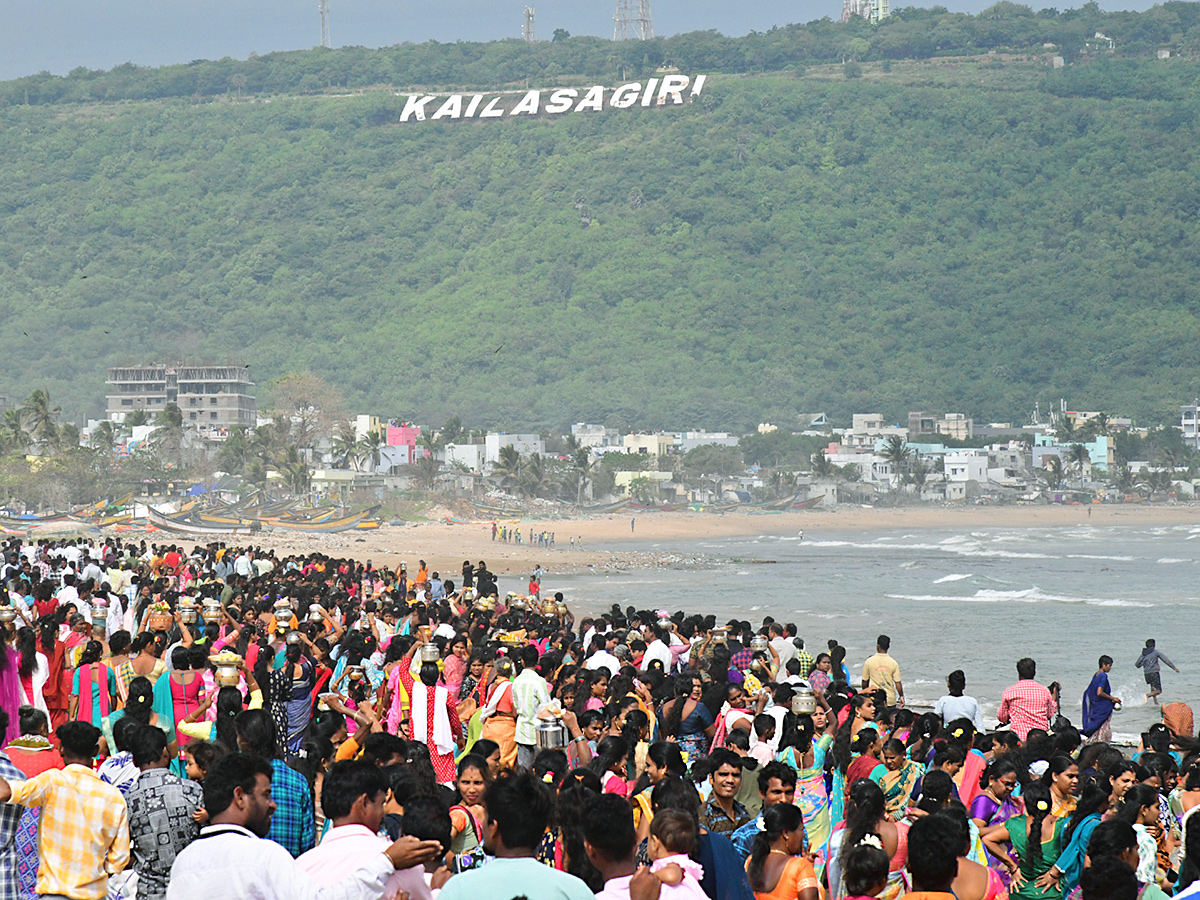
[[632, 522], [1148, 662]]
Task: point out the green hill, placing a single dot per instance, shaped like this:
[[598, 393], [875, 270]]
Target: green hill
[[962, 233]]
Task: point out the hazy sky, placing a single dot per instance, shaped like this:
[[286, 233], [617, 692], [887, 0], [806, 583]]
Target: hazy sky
[[58, 35]]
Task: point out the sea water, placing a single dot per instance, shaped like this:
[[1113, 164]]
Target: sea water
[[953, 599]]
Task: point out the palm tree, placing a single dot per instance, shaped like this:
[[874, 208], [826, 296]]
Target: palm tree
[[12, 431], [581, 468], [451, 432], [168, 430], [425, 470], [294, 469], [508, 468], [104, 436], [1064, 430], [136, 418], [1053, 472], [821, 466], [919, 474], [39, 416], [536, 478], [1078, 458], [344, 447], [897, 453], [370, 449], [235, 451]]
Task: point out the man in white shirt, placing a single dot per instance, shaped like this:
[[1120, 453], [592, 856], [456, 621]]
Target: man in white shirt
[[237, 796], [602, 657], [244, 564], [782, 644], [657, 649], [68, 594], [92, 571], [352, 797]]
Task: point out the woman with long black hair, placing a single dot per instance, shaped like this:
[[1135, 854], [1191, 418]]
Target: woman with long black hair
[[1036, 840], [775, 868]]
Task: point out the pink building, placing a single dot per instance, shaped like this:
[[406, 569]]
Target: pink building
[[405, 435]]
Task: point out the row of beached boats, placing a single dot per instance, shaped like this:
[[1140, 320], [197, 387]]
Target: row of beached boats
[[200, 516]]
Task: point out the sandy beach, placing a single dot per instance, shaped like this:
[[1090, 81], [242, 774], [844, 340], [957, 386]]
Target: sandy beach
[[609, 543]]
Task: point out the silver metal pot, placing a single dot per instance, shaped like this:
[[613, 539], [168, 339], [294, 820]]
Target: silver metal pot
[[550, 734], [804, 701]]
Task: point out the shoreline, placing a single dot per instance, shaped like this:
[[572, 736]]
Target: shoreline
[[610, 544]]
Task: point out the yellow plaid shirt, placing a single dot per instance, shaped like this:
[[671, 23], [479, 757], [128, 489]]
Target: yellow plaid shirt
[[83, 836]]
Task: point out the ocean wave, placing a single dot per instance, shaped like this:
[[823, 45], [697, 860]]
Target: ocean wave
[[1029, 595], [1170, 560], [1098, 556], [946, 578]]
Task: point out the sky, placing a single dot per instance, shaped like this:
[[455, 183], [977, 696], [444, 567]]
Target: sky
[[59, 35]]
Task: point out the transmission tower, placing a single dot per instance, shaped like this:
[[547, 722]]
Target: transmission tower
[[527, 32], [323, 6], [632, 21]]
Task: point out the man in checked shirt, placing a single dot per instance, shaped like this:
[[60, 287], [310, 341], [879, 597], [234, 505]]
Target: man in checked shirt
[[83, 836]]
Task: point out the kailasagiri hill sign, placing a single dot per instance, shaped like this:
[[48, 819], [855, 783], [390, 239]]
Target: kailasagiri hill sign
[[655, 92]]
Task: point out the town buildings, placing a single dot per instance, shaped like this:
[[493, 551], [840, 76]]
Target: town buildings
[[211, 397]]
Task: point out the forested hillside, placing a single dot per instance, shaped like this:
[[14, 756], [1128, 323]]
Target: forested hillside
[[968, 234]]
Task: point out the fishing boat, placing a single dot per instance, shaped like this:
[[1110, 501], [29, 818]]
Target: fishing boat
[[186, 525]]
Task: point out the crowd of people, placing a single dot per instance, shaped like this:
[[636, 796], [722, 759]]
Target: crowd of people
[[223, 721]]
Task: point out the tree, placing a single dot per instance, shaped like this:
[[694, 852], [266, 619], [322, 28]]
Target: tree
[[918, 475], [897, 453], [370, 449], [344, 446], [425, 471], [451, 433], [103, 436], [508, 468], [581, 468], [310, 404], [641, 489], [560, 34], [234, 451], [13, 435], [537, 479], [39, 415], [1053, 472], [821, 466], [1078, 458], [136, 418]]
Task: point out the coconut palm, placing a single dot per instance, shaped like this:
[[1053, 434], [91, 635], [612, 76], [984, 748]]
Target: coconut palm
[[1078, 459], [537, 479], [136, 418], [821, 466], [13, 435], [1053, 472], [39, 417], [370, 449], [897, 453], [235, 450], [581, 468], [344, 446], [104, 436], [425, 471], [508, 468]]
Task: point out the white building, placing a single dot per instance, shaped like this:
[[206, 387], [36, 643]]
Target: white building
[[1189, 424], [470, 455], [690, 440], [967, 465], [649, 444], [525, 444], [595, 435]]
